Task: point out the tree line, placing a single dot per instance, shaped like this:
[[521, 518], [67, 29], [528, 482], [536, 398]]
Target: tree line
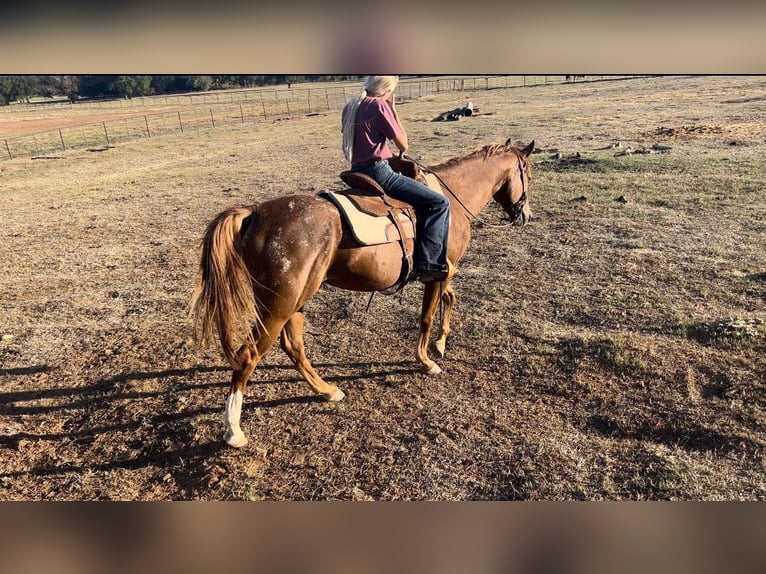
[[75, 87]]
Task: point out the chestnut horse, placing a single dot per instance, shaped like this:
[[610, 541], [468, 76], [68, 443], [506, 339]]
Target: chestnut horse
[[261, 264]]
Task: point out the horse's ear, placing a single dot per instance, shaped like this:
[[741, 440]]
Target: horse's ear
[[528, 150], [508, 143]]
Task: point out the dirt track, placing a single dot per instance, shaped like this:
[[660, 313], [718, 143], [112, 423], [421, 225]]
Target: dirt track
[[595, 355], [20, 127]]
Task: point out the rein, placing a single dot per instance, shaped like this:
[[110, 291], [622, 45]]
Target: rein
[[445, 186], [471, 215]]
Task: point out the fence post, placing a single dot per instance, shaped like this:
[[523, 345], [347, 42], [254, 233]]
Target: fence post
[[212, 119], [148, 133], [309, 100], [180, 125], [327, 97], [63, 145], [8, 149], [264, 109], [106, 134], [241, 113], [288, 107]]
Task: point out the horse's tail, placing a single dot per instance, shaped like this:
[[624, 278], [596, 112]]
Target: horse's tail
[[223, 298]]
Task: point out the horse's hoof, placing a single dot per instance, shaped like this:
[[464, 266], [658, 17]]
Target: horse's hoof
[[237, 440], [433, 370], [438, 349], [338, 395]]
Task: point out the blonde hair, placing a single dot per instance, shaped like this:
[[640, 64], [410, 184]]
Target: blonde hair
[[374, 86]]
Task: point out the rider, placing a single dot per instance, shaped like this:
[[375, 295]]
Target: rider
[[369, 120]]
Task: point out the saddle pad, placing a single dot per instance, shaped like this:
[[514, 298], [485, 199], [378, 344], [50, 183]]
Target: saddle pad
[[367, 229]]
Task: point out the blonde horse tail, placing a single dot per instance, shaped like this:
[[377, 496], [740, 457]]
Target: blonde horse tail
[[223, 298]]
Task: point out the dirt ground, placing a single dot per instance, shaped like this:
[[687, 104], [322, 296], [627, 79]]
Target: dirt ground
[[19, 125], [613, 349]]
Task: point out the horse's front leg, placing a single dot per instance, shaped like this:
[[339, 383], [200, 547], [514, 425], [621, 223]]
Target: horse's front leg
[[448, 302], [431, 294]]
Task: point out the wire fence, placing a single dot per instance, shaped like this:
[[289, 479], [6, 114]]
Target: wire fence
[[181, 113]]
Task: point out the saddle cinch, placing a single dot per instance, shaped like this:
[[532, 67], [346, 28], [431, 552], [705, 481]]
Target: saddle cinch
[[374, 218]]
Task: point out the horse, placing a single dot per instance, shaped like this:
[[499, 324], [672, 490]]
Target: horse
[[259, 266]]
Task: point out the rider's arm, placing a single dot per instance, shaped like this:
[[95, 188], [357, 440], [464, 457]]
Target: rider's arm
[[401, 140]]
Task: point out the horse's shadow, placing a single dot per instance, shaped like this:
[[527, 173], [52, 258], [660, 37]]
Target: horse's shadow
[[164, 443], [82, 396]]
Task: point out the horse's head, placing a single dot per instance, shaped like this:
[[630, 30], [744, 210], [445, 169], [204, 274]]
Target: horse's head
[[512, 194]]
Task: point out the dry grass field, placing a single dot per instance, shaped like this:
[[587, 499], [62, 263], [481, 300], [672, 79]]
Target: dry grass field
[[613, 349]]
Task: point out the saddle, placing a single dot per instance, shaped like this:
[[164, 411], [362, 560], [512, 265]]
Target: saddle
[[375, 218], [360, 181]]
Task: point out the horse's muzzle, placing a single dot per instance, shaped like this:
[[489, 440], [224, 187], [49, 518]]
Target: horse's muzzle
[[523, 217]]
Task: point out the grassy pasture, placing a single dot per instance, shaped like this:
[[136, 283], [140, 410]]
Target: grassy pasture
[[47, 127], [613, 349]]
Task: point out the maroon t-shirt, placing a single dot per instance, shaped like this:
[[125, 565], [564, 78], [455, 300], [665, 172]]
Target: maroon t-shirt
[[375, 125]]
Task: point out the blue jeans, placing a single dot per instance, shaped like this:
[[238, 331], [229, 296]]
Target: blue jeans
[[431, 208]]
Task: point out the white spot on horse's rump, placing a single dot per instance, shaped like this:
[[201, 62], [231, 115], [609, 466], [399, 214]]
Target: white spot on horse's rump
[[291, 205], [286, 264]]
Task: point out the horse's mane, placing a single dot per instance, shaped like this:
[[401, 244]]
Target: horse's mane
[[487, 151]]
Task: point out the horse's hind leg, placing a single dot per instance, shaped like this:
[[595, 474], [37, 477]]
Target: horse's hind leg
[[292, 344], [247, 359], [448, 301]]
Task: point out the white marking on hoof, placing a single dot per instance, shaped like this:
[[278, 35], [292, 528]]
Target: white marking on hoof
[[338, 395], [237, 440], [234, 435], [438, 348]]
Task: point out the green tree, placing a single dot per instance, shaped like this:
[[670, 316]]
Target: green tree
[[133, 86], [165, 84], [14, 88], [101, 86], [290, 80], [97, 86], [200, 83]]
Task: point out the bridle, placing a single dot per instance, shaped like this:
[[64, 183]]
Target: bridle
[[516, 207]]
